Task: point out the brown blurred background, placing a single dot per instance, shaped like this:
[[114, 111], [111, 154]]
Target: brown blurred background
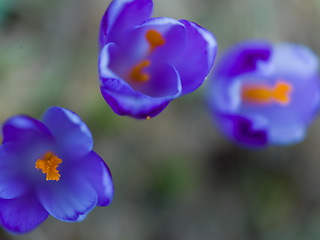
[[175, 176]]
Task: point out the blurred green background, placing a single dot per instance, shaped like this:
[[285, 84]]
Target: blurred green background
[[175, 176]]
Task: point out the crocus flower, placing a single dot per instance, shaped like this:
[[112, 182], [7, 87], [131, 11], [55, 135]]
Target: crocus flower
[[47, 168], [145, 62], [263, 93]]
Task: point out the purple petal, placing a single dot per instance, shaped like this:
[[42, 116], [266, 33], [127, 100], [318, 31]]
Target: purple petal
[[124, 100], [22, 214], [242, 130], [243, 57], [24, 128], [71, 133], [288, 134], [135, 105], [95, 170], [164, 82], [11, 186], [12, 182], [70, 198], [292, 60], [198, 56], [122, 15]]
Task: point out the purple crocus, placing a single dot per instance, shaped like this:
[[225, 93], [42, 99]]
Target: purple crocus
[[47, 168], [263, 93], [145, 62]]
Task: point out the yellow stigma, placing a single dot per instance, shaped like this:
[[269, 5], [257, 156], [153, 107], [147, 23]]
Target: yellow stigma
[[48, 164], [137, 73], [155, 39]]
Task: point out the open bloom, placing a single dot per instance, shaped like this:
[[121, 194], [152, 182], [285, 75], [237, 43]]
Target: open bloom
[[263, 93], [145, 62], [47, 168]]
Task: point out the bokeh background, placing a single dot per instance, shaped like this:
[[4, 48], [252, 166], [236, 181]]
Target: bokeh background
[[176, 177]]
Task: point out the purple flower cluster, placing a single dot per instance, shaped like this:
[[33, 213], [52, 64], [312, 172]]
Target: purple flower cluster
[[48, 167], [263, 93], [145, 62], [260, 94]]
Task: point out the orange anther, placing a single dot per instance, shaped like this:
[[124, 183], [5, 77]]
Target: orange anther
[[137, 73], [155, 39]]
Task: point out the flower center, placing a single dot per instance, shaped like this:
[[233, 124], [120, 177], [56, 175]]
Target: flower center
[[48, 164], [263, 94], [155, 40]]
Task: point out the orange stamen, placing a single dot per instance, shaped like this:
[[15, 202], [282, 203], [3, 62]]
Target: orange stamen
[[48, 164], [137, 73], [262, 94], [155, 39]]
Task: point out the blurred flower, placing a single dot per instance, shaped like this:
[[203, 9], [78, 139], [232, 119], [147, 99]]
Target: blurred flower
[[47, 168], [265, 94], [146, 62]]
